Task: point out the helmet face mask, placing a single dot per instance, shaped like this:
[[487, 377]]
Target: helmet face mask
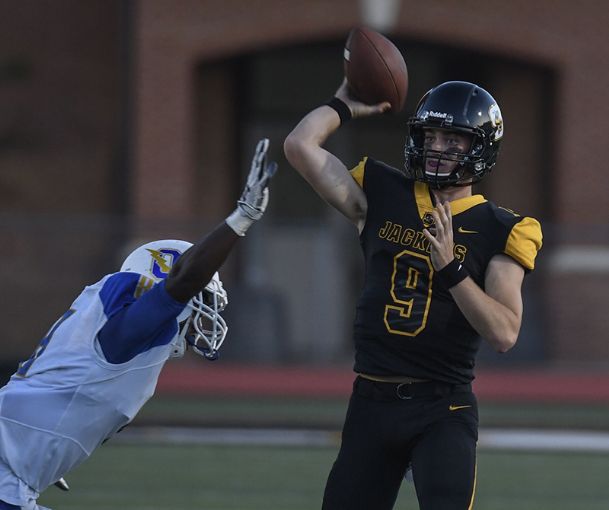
[[205, 329], [459, 107], [200, 323]]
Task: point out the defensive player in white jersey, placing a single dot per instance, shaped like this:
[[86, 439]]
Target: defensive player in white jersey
[[99, 363]]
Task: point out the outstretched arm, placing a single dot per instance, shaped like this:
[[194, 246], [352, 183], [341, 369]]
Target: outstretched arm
[[195, 268], [126, 332], [197, 265], [328, 175]]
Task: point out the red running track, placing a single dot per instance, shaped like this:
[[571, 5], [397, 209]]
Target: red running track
[[221, 379]]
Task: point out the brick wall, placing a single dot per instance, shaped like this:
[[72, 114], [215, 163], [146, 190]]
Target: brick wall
[[69, 199]]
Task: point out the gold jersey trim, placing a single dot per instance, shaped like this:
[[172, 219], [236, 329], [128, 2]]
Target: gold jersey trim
[[358, 172], [524, 242], [425, 205], [463, 204], [423, 198]]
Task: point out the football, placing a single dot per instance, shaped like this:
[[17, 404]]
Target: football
[[375, 69]]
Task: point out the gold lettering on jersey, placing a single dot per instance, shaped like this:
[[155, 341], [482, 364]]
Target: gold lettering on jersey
[[421, 243], [460, 252], [407, 237], [144, 284], [413, 278], [395, 233], [398, 234], [383, 231]]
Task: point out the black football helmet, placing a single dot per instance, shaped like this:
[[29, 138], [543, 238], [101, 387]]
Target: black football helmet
[[462, 107]]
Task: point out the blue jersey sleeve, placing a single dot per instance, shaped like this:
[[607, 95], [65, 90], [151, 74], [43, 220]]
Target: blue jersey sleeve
[[141, 315]]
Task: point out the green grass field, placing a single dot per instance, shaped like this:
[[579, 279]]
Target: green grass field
[[328, 413], [140, 475], [163, 477]]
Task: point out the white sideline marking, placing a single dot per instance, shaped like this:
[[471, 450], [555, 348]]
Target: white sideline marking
[[492, 439], [536, 439]]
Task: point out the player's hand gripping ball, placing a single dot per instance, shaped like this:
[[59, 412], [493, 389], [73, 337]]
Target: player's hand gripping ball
[[375, 69]]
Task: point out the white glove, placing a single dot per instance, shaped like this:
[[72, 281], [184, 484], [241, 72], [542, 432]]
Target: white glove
[[255, 196]]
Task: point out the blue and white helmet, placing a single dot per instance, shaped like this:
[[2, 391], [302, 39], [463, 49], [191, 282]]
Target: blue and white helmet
[[200, 324]]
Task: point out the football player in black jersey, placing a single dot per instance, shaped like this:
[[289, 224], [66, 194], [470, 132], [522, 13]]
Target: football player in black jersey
[[444, 268]]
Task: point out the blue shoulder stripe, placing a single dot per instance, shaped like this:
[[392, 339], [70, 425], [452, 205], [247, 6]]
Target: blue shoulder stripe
[[119, 290]]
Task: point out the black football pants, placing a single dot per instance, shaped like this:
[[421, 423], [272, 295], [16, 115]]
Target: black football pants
[[434, 431]]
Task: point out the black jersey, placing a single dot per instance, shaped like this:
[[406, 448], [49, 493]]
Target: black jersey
[[407, 323]]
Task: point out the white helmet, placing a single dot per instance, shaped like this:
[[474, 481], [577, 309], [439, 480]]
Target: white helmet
[[200, 323]]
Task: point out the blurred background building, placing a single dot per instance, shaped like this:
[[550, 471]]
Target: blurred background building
[[123, 121]]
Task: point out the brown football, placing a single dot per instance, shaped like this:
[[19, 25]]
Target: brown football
[[375, 69]]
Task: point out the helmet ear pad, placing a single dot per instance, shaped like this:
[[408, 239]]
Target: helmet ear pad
[[462, 107]]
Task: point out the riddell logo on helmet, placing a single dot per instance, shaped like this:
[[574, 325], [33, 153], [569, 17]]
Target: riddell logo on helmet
[[436, 115]]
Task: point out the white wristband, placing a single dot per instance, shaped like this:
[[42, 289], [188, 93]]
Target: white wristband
[[239, 222]]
